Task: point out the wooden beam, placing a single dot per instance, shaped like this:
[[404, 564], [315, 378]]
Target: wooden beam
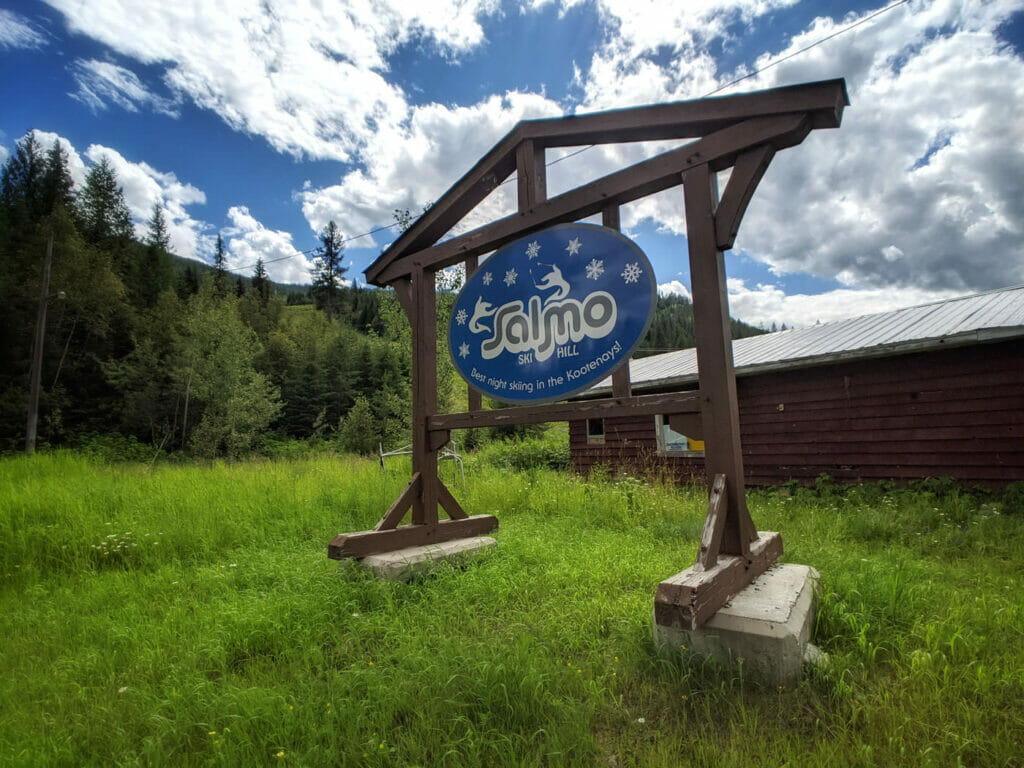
[[746, 175], [439, 439], [424, 395], [621, 387], [451, 506], [397, 511], [712, 330], [461, 198], [714, 524], [643, 405], [645, 178], [822, 102], [531, 175], [366, 543], [690, 598], [689, 424], [473, 397]]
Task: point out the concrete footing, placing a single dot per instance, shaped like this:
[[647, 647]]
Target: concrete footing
[[403, 564], [765, 627]]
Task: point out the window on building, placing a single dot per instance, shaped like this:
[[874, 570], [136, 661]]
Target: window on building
[[671, 443], [595, 431]]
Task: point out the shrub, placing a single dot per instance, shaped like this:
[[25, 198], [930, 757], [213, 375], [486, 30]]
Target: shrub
[[1013, 499], [550, 451]]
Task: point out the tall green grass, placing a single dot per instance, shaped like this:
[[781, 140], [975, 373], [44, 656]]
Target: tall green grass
[[187, 615]]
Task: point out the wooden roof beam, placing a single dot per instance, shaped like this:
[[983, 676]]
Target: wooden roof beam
[[659, 173], [822, 102]]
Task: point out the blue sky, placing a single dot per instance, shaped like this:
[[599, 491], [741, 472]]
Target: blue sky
[[264, 120]]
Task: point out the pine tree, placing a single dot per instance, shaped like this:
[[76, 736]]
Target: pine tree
[[328, 270], [102, 207], [220, 272], [260, 282], [56, 183], [157, 235]]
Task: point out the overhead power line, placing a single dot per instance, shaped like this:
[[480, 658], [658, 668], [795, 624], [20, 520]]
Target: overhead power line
[[719, 89]]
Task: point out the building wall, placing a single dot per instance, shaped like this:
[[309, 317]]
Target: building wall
[[947, 413]]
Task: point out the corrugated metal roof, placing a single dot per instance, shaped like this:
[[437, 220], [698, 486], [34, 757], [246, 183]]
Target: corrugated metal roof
[[969, 319]]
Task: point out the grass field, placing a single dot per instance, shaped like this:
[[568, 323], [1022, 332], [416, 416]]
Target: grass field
[[184, 615]]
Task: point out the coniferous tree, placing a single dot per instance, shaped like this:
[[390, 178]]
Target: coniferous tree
[[102, 207], [157, 273], [220, 271], [260, 282], [328, 270], [56, 183]]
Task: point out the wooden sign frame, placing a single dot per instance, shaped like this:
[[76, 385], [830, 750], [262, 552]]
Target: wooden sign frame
[[741, 132]]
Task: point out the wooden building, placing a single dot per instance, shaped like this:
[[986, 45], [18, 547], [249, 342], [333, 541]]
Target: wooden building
[[929, 391]]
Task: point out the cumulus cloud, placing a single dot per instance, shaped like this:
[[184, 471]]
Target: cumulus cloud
[[18, 32], [763, 305], [76, 167], [674, 288], [101, 83], [307, 77], [247, 240], [439, 145], [144, 187]]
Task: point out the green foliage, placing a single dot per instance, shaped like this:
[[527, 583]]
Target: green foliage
[[358, 431], [1013, 499], [547, 451], [328, 270], [672, 327], [189, 616]]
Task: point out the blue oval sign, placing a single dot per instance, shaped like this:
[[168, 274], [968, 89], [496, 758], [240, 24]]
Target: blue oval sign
[[551, 314]]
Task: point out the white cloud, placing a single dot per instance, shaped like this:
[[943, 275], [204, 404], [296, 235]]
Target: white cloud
[[144, 187], [767, 304], [76, 168], [4, 153], [674, 288], [440, 144], [308, 77], [923, 185], [101, 83], [18, 32], [247, 240]]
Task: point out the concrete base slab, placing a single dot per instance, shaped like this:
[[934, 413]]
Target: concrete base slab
[[766, 627], [403, 564]]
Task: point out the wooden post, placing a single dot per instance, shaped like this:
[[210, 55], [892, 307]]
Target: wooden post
[[475, 400], [621, 386], [424, 395], [722, 454]]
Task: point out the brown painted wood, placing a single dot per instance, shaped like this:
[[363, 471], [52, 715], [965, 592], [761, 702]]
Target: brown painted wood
[[689, 424], [531, 175], [714, 525], [621, 387], [366, 543], [451, 506], [656, 174], [691, 597], [712, 331], [397, 511], [424, 395], [438, 439], [403, 291], [474, 400], [746, 175], [821, 102], [588, 409]]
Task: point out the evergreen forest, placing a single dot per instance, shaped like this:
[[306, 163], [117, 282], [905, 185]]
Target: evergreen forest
[[161, 353]]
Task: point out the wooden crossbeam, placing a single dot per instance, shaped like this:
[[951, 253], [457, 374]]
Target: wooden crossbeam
[[366, 543], [714, 524], [397, 510], [717, 150], [640, 405]]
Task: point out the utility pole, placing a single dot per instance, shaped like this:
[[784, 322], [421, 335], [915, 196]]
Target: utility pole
[[37, 353]]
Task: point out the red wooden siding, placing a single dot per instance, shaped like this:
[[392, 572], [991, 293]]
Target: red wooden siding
[[946, 413]]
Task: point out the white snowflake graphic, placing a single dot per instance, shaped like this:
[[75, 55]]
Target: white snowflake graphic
[[464, 350], [533, 249], [574, 246], [595, 269], [487, 278], [632, 272], [461, 317], [510, 277]]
